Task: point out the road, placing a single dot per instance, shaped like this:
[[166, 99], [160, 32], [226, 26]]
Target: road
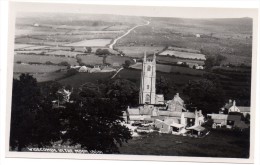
[[111, 46]]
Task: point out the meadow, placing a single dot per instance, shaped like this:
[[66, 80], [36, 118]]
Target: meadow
[[91, 43], [172, 69], [26, 68], [183, 54], [43, 59], [81, 78], [138, 51]]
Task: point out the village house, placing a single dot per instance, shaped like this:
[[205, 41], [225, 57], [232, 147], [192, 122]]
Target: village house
[[232, 107], [226, 120]]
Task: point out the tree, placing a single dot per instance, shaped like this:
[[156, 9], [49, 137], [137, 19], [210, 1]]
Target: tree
[[88, 49], [162, 86], [102, 52], [94, 121], [127, 63], [209, 62], [205, 95], [32, 120], [124, 92]]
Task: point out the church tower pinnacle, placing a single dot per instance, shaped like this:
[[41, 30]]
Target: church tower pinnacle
[[148, 79]]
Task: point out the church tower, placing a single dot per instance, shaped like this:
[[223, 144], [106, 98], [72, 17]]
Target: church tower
[[148, 78]]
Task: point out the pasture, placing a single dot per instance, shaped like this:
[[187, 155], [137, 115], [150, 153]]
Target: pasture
[[91, 43], [81, 78], [217, 36], [173, 60], [26, 68], [172, 69], [183, 54], [118, 59], [43, 77], [138, 51], [43, 59], [64, 53], [91, 59]]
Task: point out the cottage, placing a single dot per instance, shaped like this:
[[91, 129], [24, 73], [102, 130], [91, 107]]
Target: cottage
[[176, 104]]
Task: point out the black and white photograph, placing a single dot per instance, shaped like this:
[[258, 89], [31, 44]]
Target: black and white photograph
[[153, 82]]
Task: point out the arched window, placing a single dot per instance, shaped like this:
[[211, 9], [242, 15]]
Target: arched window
[[147, 98], [149, 68]]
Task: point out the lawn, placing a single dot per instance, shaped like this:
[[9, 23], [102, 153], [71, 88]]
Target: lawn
[[216, 144]]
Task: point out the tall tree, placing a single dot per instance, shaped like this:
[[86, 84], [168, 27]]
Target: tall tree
[[32, 120], [95, 123], [205, 95]]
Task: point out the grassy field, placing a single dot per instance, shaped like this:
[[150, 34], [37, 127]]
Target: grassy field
[[172, 69], [138, 51], [43, 59], [91, 59], [172, 60], [216, 144], [22, 68], [183, 54], [217, 36], [91, 43], [43, 77], [81, 78], [118, 59]]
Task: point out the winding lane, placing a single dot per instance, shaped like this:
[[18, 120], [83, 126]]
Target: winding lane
[[111, 46]]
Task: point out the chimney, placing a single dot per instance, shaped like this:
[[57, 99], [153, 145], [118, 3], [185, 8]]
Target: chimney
[[234, 103], [144, 56], [177, 94]]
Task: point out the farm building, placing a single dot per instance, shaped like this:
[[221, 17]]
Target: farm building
[[231, 107]]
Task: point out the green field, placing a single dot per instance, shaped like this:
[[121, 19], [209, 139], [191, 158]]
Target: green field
[[81, 78], [26, 68], [172, 69], [43, 59], [216, 144]]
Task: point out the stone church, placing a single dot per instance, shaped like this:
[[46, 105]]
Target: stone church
[[152, 107]]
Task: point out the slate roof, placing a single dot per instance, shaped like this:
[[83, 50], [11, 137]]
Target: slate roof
[[175, 114], [163, 113], [219, 116], [234, 117], [243, 109], [189, 114]]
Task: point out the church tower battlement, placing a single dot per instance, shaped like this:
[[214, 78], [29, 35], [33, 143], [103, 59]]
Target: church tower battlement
[[148, 79]]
